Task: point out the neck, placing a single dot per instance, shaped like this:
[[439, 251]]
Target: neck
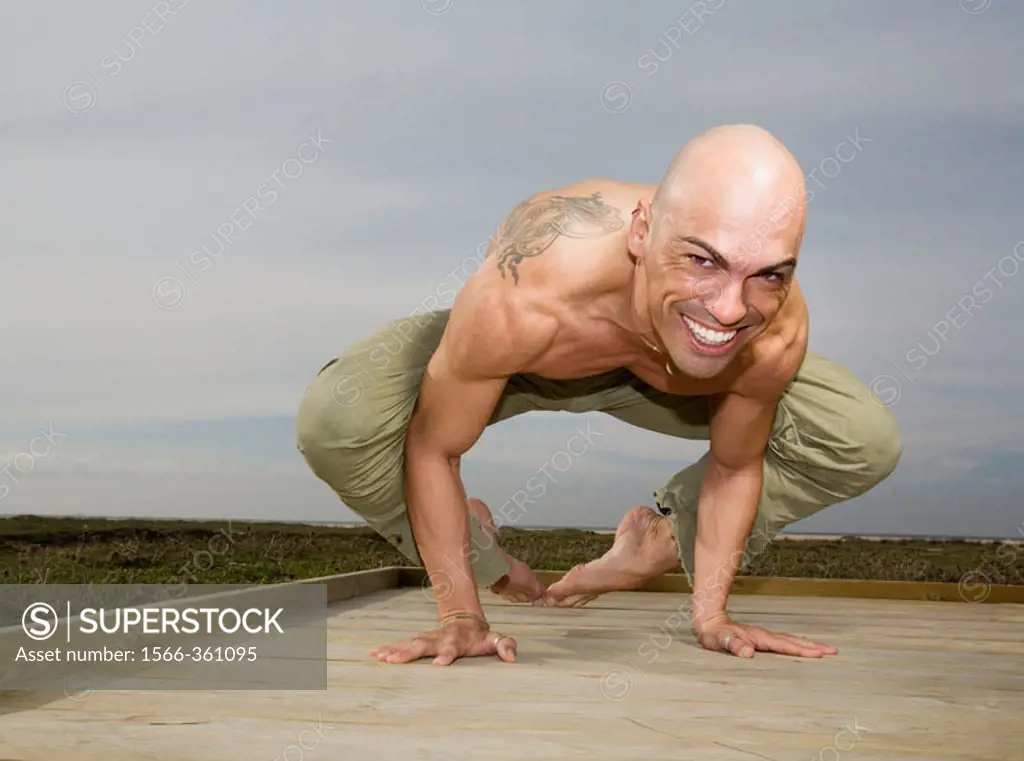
[[640, 322]]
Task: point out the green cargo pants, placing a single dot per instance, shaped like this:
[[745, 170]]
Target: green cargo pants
[[832, 440]]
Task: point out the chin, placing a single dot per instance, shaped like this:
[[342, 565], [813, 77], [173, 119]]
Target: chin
[[700, 368]]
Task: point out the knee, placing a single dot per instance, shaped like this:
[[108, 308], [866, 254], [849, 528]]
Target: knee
[[875, 441], [331, 432], [330, 416], [350, 447]]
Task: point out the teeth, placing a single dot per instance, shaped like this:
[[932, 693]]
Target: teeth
[[706, 334]]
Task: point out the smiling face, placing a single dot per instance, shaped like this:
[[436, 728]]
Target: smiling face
[[709, 296], [719, 256]]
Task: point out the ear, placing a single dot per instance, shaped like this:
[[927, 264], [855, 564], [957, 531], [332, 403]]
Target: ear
[[639, 228]]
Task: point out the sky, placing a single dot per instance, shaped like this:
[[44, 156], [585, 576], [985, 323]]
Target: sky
[[143, 374]]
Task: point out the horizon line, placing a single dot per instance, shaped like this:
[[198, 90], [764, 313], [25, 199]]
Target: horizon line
[[345, 524]]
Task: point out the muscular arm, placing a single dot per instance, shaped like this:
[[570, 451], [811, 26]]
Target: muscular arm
[[730, 493], [451, 414], [740, 428], [482, 346]]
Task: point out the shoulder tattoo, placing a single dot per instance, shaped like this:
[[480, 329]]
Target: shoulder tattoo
[[533, 226]]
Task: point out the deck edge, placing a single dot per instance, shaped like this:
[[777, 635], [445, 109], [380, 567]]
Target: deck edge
[[345, 586], [779, 586]]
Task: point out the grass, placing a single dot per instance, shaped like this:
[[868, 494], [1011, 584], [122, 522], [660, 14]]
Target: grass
[[38, 550]]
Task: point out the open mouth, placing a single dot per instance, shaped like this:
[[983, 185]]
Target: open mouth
[[708, 341]]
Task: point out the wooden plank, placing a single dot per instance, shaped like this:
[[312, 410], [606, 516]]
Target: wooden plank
[[915, 689], [981, 625], [875, 590], [785, 612], [403, 705], [635, 601], [614, 740], [857, 588], [230, 739], [399, 697], [605, 638], [932, 591], [345, 586], [402, 712]]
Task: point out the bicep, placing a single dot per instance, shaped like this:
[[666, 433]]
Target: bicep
[[739, 430], [467, 374], [454, 405], [492, 333]]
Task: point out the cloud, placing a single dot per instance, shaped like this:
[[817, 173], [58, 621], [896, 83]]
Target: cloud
[[440, 124]]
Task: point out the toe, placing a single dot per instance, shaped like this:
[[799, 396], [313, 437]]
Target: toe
[[574, 590], [573, 601], [567, 585]]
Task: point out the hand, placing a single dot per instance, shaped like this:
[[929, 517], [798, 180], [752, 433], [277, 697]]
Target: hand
[[723, 634], [458, 639]]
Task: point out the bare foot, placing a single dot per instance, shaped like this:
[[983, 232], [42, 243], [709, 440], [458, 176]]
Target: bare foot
[[520, 584], [644, 549]]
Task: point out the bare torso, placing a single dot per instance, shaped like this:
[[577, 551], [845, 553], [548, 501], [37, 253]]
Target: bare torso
[[564, 294], [579, 289]]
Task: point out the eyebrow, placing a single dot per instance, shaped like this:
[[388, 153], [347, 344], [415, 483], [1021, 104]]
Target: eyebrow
[[721, 260], [711, 250], [790, 262]]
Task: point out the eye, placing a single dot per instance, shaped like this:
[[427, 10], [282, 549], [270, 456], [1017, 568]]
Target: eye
[[772, 277], [700, 261]]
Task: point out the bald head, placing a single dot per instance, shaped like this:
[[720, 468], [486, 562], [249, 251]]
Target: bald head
[[718, 245], [741, 173]]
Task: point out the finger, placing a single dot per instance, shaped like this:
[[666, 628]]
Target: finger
[[507, 649], [381, 653], [388, 648], [495, 643], [405, 652], [807, 647], [811, 649], [788, 645], [446, 654], [819, 646], [395, 647], [737, 644], [728, 641]]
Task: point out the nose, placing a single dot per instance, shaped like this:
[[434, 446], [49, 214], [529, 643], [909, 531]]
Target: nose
[[726, 305]]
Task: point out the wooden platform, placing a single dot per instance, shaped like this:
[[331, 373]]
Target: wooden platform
[[621, 679]]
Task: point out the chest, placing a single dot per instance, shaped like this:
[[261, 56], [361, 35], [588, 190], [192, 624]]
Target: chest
[[586, 349]]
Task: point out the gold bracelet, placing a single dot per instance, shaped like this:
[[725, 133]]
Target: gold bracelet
[[464, 615]]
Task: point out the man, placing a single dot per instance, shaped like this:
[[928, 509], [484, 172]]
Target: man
[[673, 308]]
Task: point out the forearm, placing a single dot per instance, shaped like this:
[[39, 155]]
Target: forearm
[[439, 516], [725, 515]]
